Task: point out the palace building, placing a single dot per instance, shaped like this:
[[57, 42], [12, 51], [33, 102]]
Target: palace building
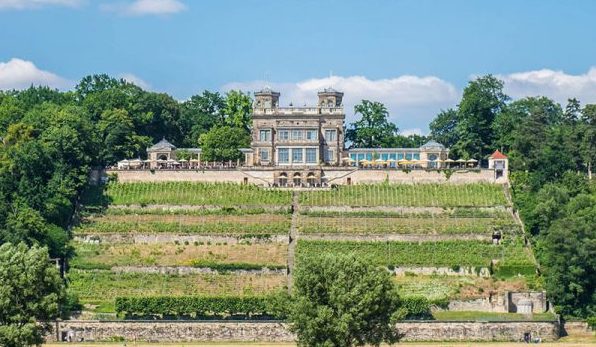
[[296, 136], [304, 146]]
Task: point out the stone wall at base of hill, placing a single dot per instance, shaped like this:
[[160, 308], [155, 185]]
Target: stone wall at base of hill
[[180, 331]]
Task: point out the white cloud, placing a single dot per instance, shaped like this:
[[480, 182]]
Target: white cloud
[[411, 131], [556, 85], [20, 74], [128, 77], [29, 4], [412, 101], [146, 7]]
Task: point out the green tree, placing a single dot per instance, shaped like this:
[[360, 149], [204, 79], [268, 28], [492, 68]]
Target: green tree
[[587, 131], [374, 128], [118, 138], [238, 110], [569, 258], [482, 101], [199, 114], [30, 293], [223, 143], [442, 128], [343, 301]]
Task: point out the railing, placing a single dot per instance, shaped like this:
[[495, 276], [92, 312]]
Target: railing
[[299, 110]]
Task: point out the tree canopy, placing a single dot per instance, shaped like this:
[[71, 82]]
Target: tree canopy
[[551, 151], [31, 291], [343, 301]]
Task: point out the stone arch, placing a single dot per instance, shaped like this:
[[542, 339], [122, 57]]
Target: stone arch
[[283, 179], [311, 179], [297, 178]]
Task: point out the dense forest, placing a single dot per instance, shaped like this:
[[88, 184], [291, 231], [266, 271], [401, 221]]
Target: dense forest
[[51, 139], [551, 151]]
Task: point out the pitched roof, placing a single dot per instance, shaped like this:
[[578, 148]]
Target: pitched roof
[[161, 145], [432, 144], [498, 155]]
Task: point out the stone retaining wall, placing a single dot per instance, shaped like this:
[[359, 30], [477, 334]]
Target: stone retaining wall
[[188, 270], [332, 175], [161, 331], [395, 237], [446, 271], [170, 238]]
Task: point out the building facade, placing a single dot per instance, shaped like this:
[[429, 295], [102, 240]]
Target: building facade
[[296, 136], [431, 155]]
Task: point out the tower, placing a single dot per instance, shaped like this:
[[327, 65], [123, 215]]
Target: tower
[[330, 97], [266, 98]]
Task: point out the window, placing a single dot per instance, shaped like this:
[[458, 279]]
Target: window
[[264, 154], [311, 155], [284, 135], [264, 135], [297, 155], [311, 134], [330, 135], [400, 156], [416, 156], [296, 134], [408, 156], [283, 156], [329, 155]]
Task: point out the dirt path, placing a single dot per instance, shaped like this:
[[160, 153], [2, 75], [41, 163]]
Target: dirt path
[[292, 239]]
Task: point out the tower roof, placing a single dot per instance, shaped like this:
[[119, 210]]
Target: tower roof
[[432, 145], [497, 155], [162, 145], [267, 91]]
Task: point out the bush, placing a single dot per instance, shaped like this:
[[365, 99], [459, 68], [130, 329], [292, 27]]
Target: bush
[[418, 307], [197, 306]]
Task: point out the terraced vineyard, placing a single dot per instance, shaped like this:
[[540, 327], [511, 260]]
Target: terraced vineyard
[[441, 253], [186, 239], [191, 193], [435, 195]]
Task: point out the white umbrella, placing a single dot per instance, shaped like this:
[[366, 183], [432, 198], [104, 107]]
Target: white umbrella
[[472, 161]]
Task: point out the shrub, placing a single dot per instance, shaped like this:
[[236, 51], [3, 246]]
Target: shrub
[[197, 306]]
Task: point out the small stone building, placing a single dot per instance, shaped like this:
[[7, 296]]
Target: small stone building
[[163, 150], [500, 163]]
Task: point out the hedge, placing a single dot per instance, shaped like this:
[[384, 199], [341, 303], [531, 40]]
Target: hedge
[[192, 306], [202, 306]]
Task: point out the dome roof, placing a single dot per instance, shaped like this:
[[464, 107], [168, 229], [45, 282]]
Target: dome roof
[[162, 145], [432, 145]]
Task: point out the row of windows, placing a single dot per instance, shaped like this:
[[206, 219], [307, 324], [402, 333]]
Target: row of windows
[[302, 155], [385, 156], [298, 135]]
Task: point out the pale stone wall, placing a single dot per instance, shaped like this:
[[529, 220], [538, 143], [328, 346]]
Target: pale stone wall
[[445, 271], [161, 331], [538, 299], [171, 238], [497, 304], [332, 176], [395, 237]]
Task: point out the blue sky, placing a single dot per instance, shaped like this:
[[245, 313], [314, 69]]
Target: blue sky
[[415, 56]]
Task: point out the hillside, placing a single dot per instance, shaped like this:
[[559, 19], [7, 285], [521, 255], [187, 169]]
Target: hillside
[[180, 239]]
